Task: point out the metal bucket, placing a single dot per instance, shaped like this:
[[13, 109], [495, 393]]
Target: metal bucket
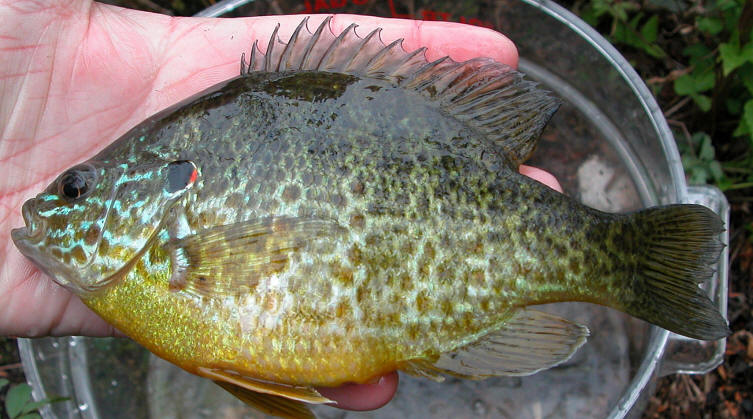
[[610, 147]]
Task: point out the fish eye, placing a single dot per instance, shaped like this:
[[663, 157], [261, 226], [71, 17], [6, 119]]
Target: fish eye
[[77, 182], [181, 175]]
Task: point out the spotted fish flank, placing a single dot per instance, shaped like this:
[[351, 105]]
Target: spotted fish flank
[[345, 208]]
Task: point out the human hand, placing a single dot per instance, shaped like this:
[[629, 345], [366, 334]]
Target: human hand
[[75, 75]]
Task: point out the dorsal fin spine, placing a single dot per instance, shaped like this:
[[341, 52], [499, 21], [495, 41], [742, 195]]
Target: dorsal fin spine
[[403, 69], [424, 76], [270, 50], [289, 48], [469, 95], [491, 97], [311, 45], [373, 63], [324, 63], [352, 63], [450, 78], [473, 99], [253, 62]]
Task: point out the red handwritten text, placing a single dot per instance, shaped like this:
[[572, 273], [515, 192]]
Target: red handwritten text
[[316, 6]]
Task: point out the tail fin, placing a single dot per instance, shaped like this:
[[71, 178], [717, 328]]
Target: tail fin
[[678, 243]]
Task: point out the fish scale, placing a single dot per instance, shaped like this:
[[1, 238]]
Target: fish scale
[[343, 209], [388, 183]]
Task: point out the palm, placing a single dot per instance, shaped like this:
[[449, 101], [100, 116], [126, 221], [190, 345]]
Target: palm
[[86, 84]]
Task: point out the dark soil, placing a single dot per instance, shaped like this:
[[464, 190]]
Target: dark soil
[[726, 392]]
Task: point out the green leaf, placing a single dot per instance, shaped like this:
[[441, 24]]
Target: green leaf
[[703, 102], [3, 382], [710, 25], [747, 116], [684, 85], [650, 30], [706, 151], [619, 10], [724, 183], [32, 415], [746, 75], [696, 51], [16, 398], [733, 56], [624, 32], [643, 39], [695, 82], [36, 405], [742, 129], [590, 16], [701, 58], [655, 51], [691, 85], [698, 176], [704, 167], [733, 105], [674, 6], [598, 8], [715, 168], [704, 81], [698, 138]]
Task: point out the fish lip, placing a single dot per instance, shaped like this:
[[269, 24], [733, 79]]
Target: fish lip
[[27, 248], [51, 267], [20, 237], [33, 229], [27, 241]]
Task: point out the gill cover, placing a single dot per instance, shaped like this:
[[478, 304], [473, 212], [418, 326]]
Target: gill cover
[[95, 219]]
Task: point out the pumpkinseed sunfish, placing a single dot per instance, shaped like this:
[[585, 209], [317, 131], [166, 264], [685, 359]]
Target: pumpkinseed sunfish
[[345, 208]]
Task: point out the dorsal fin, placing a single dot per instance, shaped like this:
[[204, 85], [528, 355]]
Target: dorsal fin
[[490, 97]]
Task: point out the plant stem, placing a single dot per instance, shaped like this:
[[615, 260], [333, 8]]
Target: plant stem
[[740, 186], [10, 366]]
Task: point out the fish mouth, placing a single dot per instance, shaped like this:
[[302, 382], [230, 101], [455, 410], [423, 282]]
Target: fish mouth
[[27, 240], [47, 264], [33, 230]]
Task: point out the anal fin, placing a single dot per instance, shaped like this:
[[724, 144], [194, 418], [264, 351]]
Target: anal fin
[[271, 405], [422, 368], [528, 342], [290, 392]]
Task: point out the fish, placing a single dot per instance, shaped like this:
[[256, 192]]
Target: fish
[[345, 208]]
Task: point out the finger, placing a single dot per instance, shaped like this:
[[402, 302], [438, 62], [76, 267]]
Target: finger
[[159, 60], [459, 41], [542, 176], [60, 313], [196, 53], [363, 396]]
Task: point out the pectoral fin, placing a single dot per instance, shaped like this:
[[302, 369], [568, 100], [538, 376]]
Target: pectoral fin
[[231, 259], [528, 342]]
